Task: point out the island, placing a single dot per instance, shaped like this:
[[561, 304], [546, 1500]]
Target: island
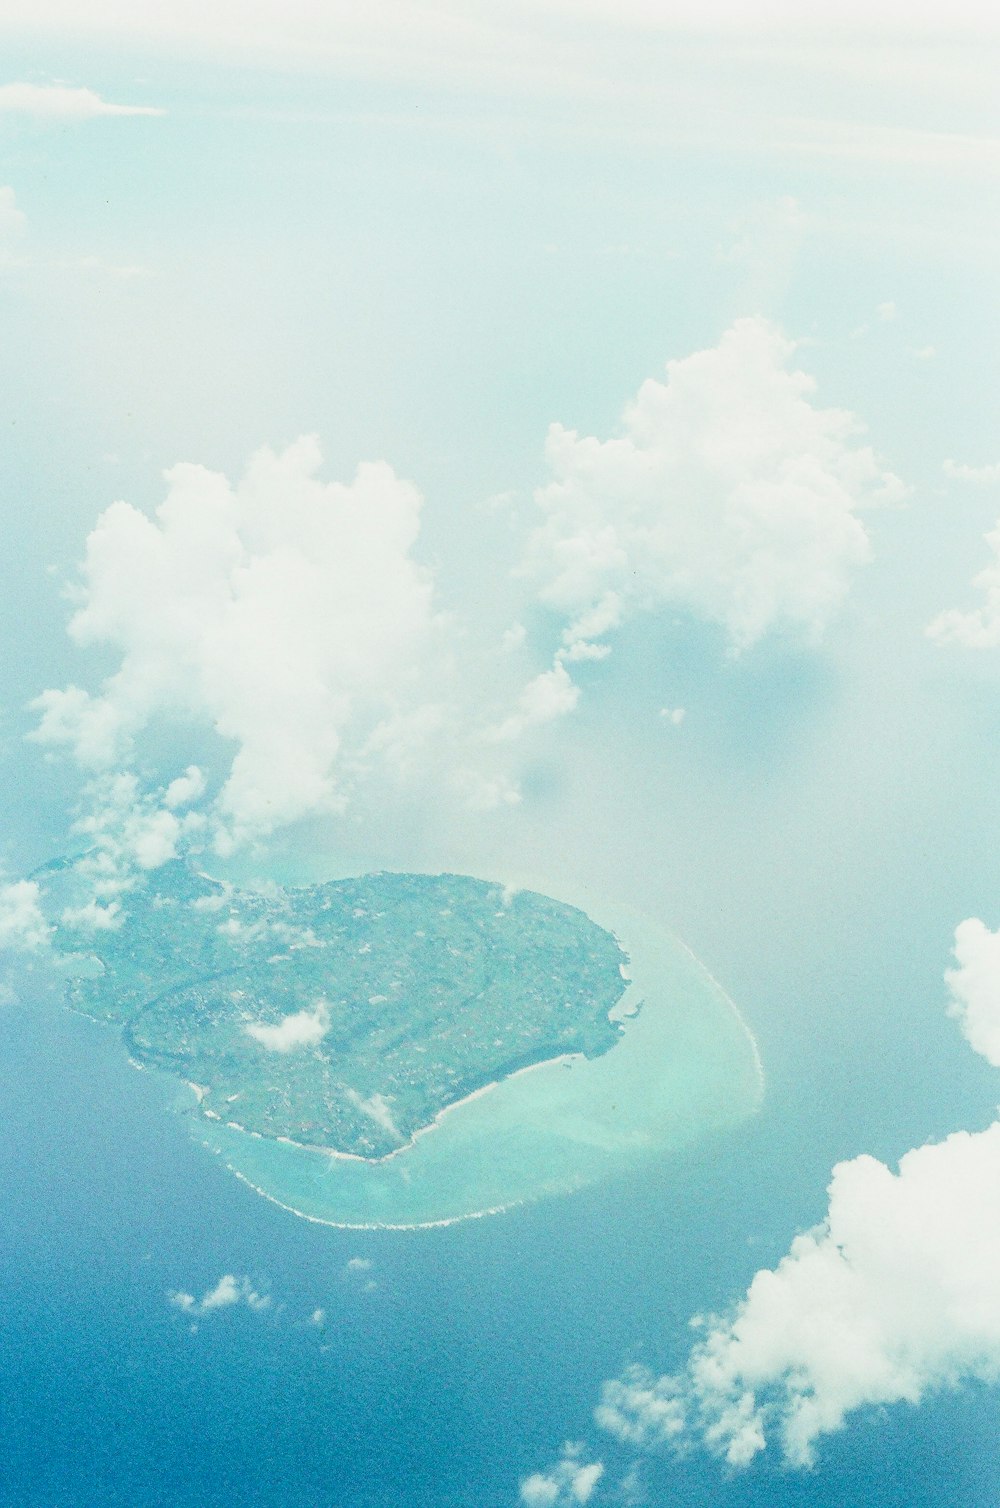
[[346, 1016]]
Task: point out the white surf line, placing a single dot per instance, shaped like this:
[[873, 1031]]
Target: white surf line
[[373, 1162]]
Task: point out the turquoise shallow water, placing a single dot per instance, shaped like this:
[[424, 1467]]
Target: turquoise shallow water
[[686, 1065]]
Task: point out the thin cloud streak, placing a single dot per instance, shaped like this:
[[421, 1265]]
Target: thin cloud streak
[[60, 102]]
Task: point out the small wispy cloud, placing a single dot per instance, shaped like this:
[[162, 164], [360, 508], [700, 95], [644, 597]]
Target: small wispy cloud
[[63, 102], [359, 1270], [987, 474], [12, 219], [980, 627]]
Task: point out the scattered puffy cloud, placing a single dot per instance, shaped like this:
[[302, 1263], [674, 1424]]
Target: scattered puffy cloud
[[975, 987], [729, 493], [303, 1029], [22, 923], [62, 102], [228, 1291], [641, 1409], [673, 715], [980, 628], [569, 1482], [128, 829]]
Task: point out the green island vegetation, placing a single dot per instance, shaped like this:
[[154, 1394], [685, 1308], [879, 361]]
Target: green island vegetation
[[345, 1015]]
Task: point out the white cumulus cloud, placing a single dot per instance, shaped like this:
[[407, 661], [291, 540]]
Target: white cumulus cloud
[[22, 923], [975, 987], [894, 1295], [303, 1029], [61, 102], [186, 788], [729, 493], [286, 613]]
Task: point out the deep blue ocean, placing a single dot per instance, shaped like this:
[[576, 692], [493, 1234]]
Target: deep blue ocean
[[480, 1349]]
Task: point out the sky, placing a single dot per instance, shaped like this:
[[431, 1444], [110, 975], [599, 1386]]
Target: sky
[[552, 440]]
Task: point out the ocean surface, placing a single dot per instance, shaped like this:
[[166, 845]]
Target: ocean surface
[[444, 1372], [475, 1353]]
